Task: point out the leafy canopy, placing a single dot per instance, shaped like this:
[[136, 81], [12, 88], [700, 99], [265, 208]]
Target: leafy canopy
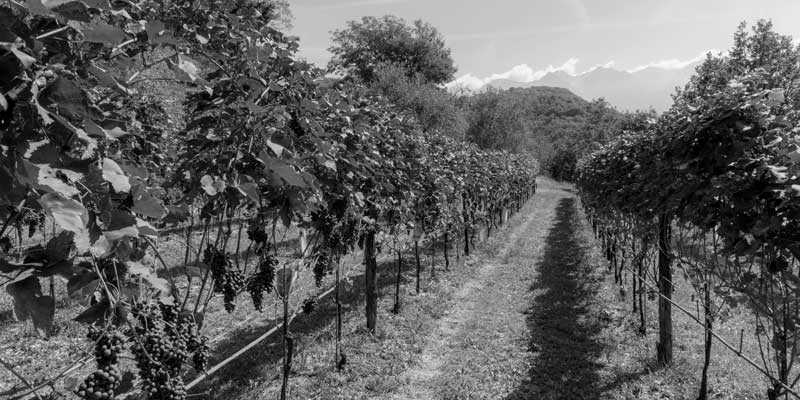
[[363, 46]]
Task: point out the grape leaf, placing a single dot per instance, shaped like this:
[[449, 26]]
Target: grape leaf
[[113, 174], [146, 204], [100, 32], [67, 213], [29, 303]]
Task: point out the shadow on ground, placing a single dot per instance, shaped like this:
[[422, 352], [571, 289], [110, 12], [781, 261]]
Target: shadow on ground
[[563, 326], [256, 365]]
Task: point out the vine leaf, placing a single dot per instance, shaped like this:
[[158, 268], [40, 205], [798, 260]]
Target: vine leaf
[[100, 32], [113, 174], [73, 10], [96, 312], [146, 204], [207, 183], [98, 4], [26, 60], [57, 179], [107, 80], [60, 247], [29, 303], [68, 214], [67, 98], [251, 191], [148, 274], [35, 7], [276, 148], [82, 280], [185, 69]]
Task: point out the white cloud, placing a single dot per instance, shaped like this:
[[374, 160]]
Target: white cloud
[[523, 73], [609, 64], [518, 73], [673, 63]]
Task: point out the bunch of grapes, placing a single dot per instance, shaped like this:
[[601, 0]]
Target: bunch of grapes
[[102, 383], [108, 345], [165, 338], [321, 266], [200, 356], [159, 359], [262, 280], [33, 219], [259, 236], [309, 305], [227, 280]]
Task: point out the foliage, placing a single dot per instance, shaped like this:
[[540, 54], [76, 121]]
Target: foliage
[[434, 108], [724, 159], [552, 124], [363, 46], [266, 139]]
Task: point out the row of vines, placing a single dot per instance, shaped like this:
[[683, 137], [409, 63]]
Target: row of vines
[[268, 143], [711, 191]]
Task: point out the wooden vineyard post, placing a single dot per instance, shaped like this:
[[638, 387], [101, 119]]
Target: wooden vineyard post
[[664, 346], [338, 361], [419, 264], [446, 256], [397, 305], [371, 287]]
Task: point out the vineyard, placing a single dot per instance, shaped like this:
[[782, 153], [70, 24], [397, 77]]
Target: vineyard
[[710, 191], [188, 206], [277, 181]]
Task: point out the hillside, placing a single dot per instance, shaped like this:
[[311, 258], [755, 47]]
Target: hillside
[[640, 90], [540, 120]]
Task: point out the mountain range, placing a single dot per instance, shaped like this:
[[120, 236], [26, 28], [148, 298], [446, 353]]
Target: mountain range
[[650, 87]]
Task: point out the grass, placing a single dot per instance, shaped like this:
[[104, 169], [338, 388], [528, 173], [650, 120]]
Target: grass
[[533, 313]]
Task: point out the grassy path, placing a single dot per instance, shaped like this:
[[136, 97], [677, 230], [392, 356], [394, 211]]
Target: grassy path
[[521, 328]]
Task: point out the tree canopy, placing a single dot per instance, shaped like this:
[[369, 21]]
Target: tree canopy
[[364, 46]]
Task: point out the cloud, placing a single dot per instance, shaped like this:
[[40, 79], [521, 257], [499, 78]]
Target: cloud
[[609, 64], [517, 73], [673, 63], [523, 73]]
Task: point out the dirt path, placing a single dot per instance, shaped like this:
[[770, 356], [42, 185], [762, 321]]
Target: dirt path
[[486, 345]]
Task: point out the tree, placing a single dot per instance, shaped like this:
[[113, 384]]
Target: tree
[[361, 47], [435, 108]]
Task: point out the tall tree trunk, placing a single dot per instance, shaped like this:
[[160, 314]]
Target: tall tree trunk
[[371, 286], [664, 346]]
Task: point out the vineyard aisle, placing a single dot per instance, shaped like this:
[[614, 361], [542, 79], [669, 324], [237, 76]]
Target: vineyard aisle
[[522, 327]]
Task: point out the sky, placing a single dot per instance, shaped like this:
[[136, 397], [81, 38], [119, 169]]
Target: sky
[[523, 39]]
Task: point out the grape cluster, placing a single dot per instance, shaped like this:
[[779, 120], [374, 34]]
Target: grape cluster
[[165, 339], [309, 305], [262, 280], [200, 356], [102, 383], [227, 280], [321, 267], [108, 345], [259, 236], [32, 219]]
